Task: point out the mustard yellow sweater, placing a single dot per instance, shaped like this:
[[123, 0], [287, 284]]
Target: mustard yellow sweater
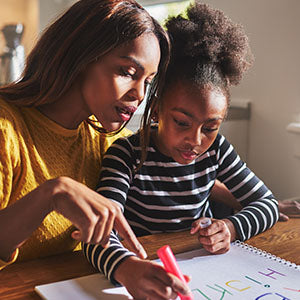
[[35, 149]]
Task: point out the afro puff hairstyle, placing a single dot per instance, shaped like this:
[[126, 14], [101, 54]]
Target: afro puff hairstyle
[[207, 48]]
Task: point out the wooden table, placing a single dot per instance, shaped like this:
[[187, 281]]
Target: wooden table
[[17, 281]]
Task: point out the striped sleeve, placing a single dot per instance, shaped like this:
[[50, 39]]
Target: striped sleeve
[[106, 260], [260, 208], [115, 178], [117, 171]]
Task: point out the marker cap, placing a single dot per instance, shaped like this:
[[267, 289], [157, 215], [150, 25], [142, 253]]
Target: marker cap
[[205, 222]]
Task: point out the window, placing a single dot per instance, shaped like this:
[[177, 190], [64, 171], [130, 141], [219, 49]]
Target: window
[[160, 10]]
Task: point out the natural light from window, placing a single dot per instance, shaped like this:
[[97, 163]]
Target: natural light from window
[[161, 11]]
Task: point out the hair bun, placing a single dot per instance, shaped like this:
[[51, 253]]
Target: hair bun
[[206, 34]]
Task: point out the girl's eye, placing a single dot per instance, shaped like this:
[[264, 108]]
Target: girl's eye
[[181, 123], [207, 129]]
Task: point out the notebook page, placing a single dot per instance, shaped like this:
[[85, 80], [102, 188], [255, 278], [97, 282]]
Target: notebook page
[[242, 273]]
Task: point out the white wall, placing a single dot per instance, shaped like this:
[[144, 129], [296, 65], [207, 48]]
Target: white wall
[[273, 87], [50, 10]]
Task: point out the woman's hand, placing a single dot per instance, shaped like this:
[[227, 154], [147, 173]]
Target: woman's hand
[[148, 280], [215, 238], [93, 215]]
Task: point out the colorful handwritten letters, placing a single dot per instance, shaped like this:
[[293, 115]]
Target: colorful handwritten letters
[[240, 274]]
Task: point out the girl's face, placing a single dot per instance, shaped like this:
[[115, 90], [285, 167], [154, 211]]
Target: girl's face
[[189, 121], [113, 87]]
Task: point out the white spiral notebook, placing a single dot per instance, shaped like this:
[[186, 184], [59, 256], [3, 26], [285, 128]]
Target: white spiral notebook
[[242, 273]]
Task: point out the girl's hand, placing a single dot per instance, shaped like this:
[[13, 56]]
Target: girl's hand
[[148, 280], [93, 215], [215, 238]]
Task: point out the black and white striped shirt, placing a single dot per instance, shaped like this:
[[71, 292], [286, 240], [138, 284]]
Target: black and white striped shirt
[[165, 196]]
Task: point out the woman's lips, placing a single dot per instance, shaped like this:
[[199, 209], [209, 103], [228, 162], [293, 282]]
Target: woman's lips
[[125, 113]]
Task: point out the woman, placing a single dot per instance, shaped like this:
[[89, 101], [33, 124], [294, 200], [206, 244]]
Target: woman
[[95, 63]]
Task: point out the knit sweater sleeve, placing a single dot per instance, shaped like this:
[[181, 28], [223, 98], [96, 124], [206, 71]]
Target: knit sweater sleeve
[[9, 161], [260, 208], [115, 178], [10, 157]]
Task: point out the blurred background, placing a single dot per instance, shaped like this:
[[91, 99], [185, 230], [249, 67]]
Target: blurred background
[[264, 118]]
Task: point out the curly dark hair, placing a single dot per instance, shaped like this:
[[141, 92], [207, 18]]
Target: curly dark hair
[[207, 49]]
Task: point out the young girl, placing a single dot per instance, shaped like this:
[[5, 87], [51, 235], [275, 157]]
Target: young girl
[[167, 190]]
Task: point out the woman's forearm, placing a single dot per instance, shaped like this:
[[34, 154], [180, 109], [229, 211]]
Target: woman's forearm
[[92, 214], [19, 220]]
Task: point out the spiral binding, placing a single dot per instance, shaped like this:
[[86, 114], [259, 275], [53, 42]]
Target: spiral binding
[[266, 254]]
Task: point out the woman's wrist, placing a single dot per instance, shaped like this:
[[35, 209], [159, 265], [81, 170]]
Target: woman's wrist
[[56, 189]]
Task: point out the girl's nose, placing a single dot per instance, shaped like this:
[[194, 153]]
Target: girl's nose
[[195, 137]]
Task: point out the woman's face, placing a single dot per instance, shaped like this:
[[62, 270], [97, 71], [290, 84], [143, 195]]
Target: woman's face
[[114, 86], [189, 121]]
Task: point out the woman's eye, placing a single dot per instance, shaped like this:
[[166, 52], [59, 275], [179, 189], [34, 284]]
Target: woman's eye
[[126, 72]]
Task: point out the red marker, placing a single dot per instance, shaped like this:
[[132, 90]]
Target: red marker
[[168, 259]]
